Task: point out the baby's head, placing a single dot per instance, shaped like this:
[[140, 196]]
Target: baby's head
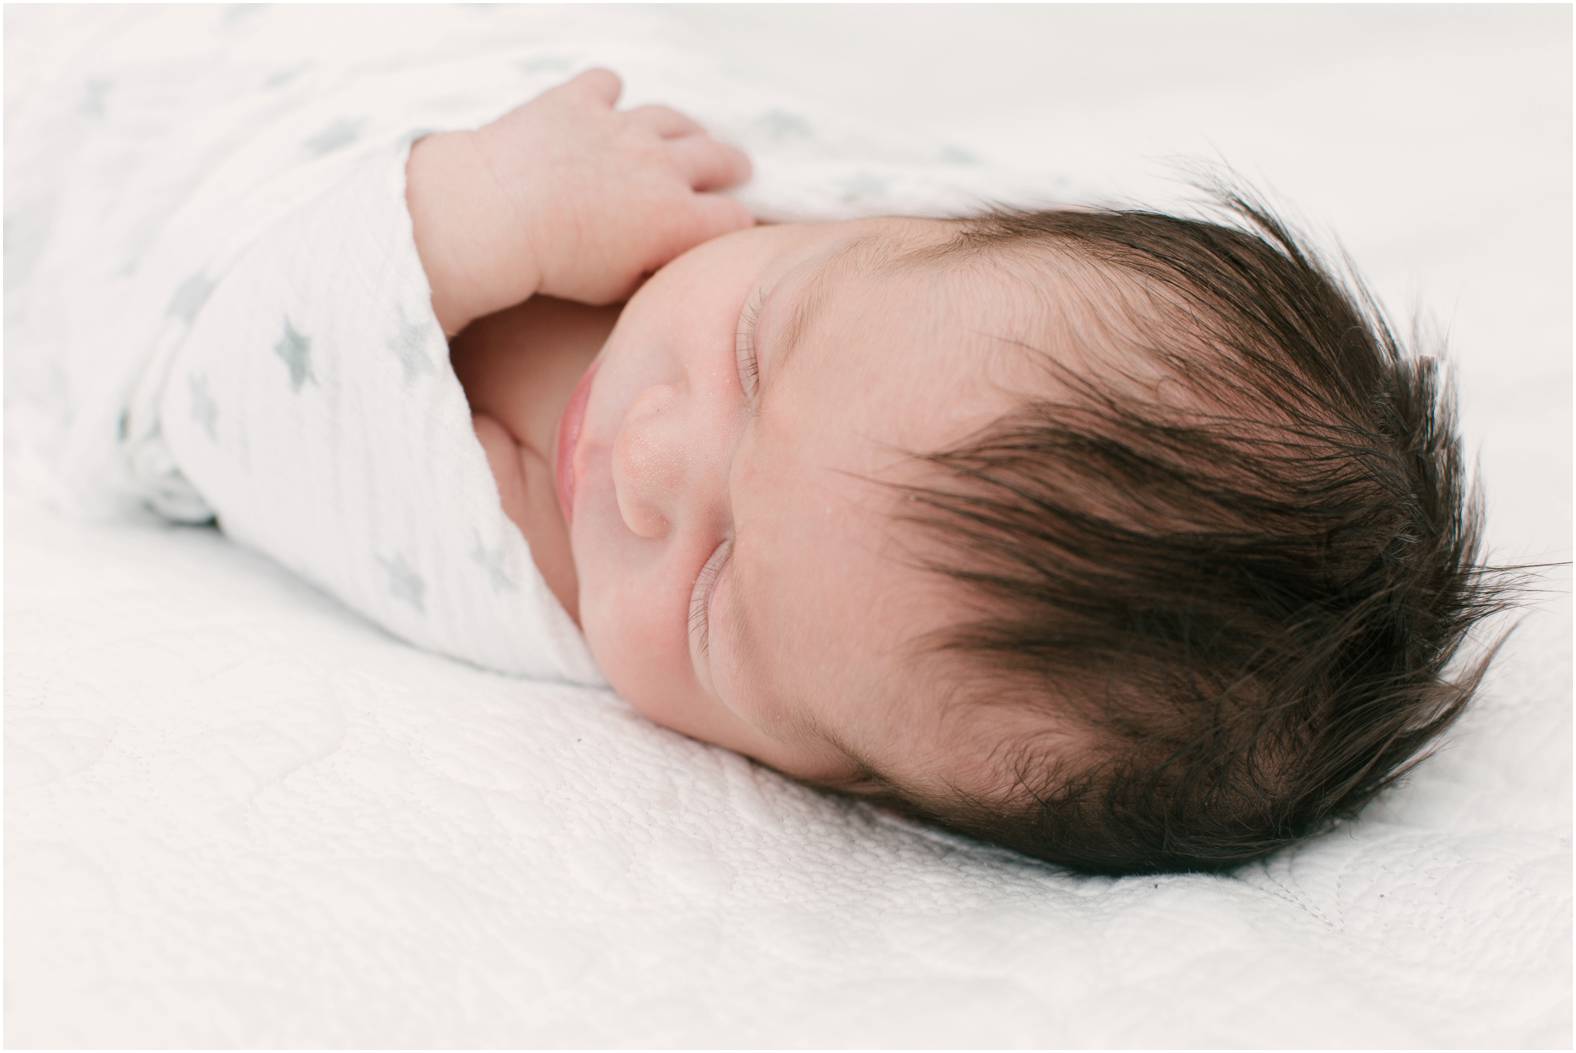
[[1128, 541]]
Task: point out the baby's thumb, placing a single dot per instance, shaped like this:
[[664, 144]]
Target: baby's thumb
[[716, 215]]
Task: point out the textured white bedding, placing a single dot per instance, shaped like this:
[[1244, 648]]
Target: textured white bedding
[[236, 814]]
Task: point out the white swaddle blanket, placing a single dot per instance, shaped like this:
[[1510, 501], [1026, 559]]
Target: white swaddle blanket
[[302, 394], [285, 373]]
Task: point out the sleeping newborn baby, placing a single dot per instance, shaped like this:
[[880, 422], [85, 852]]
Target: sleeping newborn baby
[[1129, 541]]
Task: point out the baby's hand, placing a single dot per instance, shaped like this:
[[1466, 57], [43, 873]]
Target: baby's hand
[[598, 199]]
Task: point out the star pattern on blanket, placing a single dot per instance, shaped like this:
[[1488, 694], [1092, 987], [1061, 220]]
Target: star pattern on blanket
[[27, 229], [189, 298], [94, 93], [404, 583], [205, 410], [236, 12], [341, 133], [781, 124], [862, 185], [296, 350], [545, 64], [284, 77], [491, 560], [409, 344]]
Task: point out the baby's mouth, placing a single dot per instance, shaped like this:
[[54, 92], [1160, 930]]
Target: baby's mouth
[[567, 441]]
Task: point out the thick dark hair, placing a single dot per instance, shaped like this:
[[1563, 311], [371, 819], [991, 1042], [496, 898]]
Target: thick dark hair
[[1227, 615]]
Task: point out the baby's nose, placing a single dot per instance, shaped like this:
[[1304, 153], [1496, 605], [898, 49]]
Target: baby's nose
[[648, 461]]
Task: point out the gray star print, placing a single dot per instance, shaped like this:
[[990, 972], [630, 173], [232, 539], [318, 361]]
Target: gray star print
[[780, 124], [137, 244], [190, 297], [26, 234], [862, 185], [340, 133], [284, 77], [491, 560], [95, 90], [204, 410], [404, 583], [235, 13], [409, 345], [545, 64], [296, 350]]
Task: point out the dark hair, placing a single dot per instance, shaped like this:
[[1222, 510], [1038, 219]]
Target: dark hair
[[1227, 615]]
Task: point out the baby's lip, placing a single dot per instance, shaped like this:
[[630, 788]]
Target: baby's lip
[[570, 428]]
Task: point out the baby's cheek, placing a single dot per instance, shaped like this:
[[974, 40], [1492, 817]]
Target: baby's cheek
[[639, 645]]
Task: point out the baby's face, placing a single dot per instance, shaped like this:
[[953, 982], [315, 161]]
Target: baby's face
[[701, 489]]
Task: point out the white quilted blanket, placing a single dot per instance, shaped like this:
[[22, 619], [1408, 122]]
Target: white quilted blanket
[[237, 815]]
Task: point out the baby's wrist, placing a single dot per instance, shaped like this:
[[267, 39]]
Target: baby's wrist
[[459, 231]]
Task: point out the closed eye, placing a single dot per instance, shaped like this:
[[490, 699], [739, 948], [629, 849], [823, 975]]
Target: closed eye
[[700, 597], [744, 349], [749, 376]]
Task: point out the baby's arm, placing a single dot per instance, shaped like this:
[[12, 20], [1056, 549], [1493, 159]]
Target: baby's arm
[[304, 397], [567, 197]]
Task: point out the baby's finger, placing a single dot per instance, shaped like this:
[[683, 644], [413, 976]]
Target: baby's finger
[[713, 215], [708, 164], [665, 121], [598, 84]]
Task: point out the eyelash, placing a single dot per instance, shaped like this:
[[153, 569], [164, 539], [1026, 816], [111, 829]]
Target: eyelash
[[749, 365], [700, 603], [706, 581]]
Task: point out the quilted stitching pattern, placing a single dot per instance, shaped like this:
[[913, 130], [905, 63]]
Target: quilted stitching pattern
[[237, 816]]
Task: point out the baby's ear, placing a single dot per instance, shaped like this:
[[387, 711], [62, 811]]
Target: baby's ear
[[867, 785], [860, 783]]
